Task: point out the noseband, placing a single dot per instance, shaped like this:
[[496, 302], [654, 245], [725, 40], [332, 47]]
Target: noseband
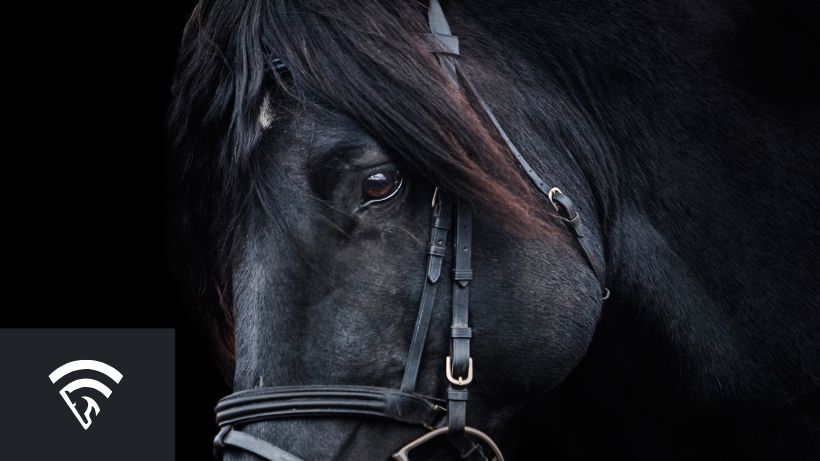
[[441, 417]]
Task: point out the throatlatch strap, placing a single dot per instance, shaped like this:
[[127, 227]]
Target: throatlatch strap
[[572, 218], [558, 199], [447, 50]]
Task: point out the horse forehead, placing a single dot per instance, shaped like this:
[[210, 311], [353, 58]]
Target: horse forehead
[[265, 113]]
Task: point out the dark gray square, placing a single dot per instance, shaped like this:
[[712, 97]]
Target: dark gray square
[[136, 422]]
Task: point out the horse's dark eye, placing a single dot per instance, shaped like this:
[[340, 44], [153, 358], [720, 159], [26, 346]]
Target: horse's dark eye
[[381, 185]]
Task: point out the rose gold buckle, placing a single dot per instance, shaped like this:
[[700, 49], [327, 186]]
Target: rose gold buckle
[[460, 381]]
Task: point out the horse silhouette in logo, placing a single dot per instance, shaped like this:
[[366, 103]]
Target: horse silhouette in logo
[[91, 404]]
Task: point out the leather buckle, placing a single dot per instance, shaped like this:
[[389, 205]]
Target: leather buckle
[[458, 381]]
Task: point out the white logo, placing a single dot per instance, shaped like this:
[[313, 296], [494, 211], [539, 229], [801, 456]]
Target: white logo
[[77, 365]]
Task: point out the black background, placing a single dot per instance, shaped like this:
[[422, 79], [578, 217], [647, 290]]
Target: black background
[[85, 95]]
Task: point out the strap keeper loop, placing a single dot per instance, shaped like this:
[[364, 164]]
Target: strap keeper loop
[[462, 274], [442, 223], [442, 43], [459, 395], [436, 250], [574, 221]]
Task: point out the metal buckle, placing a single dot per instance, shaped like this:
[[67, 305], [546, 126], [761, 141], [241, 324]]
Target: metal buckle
[[460, 381], [404, 453], [551, 194]]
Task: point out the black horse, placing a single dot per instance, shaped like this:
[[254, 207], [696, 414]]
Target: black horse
[[308, 138]]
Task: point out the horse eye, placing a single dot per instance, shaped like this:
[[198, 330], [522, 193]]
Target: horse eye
[[381, 185]]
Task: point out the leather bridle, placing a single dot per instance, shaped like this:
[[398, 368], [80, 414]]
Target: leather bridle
[[440, 417]]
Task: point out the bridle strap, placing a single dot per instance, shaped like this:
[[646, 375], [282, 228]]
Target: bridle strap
[[283, 402], [436, 252], [460, 332], [229, 437], [459, 363], [446, 47], [572, 219], [560, 201], [404, 405]]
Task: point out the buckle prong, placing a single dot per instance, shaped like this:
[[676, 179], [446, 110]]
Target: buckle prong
[[459, 381]]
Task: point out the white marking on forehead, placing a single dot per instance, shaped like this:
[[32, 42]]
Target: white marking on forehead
[[265, 115]]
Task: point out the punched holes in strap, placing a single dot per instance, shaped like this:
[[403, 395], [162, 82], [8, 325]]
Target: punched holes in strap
[[437, 251], [459, 365], [438, 238], [462, 274]]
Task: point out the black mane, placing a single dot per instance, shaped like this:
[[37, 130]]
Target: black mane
[[380, 74]]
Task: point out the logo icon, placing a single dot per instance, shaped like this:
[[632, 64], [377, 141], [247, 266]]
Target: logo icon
[[91, 404]]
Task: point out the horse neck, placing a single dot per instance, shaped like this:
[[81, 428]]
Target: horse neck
[[702, 186]]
